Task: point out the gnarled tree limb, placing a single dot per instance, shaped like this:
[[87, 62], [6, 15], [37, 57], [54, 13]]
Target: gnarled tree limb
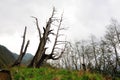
[[37, 26]]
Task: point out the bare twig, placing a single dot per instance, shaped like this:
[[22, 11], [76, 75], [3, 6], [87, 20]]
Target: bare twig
[[37, 26]]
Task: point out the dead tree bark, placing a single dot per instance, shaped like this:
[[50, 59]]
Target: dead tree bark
[[22, 51], [45, 57], [40, 55], [43, 40]]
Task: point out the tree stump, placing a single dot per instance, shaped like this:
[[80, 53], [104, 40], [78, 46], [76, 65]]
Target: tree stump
[[5, 75]]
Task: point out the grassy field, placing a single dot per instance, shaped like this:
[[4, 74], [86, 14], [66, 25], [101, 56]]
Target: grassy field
[[47, 73]]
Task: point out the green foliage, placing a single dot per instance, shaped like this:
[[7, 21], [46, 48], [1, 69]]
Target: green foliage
[[84, 77], [47, 73], [95, 76]]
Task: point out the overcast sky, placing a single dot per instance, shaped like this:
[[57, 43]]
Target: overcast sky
[[83, 17]]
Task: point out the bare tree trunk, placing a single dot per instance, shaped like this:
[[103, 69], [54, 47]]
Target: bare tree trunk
[[102, 48], [40, 55], [88, 58], [118, 37], [117, 58], [40, 51], [56, 42], [94, 51], [80, 59], [103, 55], [83, 53], [116, 26], [22, 52], [79, 54]]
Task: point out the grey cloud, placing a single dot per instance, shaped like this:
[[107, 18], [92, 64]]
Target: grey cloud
[[15, 14], [82, 16], [90, 14], [94, 15]]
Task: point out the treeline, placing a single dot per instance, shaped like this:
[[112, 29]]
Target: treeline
[[101, 55]]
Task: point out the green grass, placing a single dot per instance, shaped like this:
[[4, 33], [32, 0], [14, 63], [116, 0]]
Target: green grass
[[47, 73]]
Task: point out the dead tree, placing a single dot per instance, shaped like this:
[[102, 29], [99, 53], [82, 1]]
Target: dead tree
[[22, 51], [41, 48], [40, 55]]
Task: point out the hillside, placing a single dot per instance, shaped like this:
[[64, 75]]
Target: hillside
[[6, 57]]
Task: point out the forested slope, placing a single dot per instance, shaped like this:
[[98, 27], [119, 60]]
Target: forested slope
[[6, 57]]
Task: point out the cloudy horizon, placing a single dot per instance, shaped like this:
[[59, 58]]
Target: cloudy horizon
[[83, 17]]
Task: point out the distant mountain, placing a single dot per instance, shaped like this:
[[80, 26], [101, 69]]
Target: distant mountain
[[15, 55], [6, 57], [26, 59]]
